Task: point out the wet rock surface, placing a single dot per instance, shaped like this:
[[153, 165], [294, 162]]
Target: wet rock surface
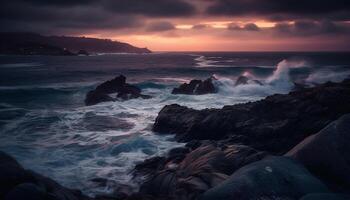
[[271, 178], [187, 172], [17, 183], [230, 152], [274, 124], [118, 86], [326, 154], [196, 87]]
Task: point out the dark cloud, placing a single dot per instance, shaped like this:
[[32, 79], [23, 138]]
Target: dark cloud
[[54, 2], [58, 15], [283, 9], [46, 20], [311, 28], [246, 27], [155, 8], [160, 27]]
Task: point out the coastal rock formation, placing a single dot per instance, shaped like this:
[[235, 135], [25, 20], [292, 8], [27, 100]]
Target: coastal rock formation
[[243, 80], [117, 85], [271, 178], [326, 154], [16, 183], [274, 124], [188, 172], [22, 43], [196, 87]]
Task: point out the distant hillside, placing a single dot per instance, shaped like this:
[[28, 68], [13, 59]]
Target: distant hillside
[[35, 44]]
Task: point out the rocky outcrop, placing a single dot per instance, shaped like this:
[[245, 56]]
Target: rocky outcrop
[[16, 183], [118, 85], [23, 43], [189, 171], [196, 87], [326, 154], [244, 80], [271, 178], [274, 124]]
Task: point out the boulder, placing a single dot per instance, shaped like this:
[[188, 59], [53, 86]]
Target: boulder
[[244, 80], [197, 171], [271, 178], [18, 183], [196, 87], [118, 85], [275, 124], [26, 191], [326, 154]]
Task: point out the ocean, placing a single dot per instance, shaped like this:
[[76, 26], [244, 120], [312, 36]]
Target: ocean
[[45, 125]]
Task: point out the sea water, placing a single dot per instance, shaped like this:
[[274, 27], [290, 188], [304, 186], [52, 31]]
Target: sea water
[[45, 125]]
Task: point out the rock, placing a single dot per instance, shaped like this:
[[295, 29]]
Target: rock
[[16, 183], [11, 174], [201, 169], [244, 80], [27, 191], [275, 124], [196, 87], [271, 178], [241, 80], [326, 154], [326, 196], [117, 85], [93, 97]]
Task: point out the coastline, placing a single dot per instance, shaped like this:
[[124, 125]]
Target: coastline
[[184, 171]]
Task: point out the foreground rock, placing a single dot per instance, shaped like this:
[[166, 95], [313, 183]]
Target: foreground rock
[[188, 172], [275, 124], [271, 178], [327, 154], [17, 183], [118, 85], [196, 87]]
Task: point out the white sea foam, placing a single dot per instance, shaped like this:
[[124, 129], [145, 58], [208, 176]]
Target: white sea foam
[[55, 143], [323, 76]]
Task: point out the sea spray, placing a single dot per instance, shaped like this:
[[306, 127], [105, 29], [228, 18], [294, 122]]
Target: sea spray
[[278, 82]]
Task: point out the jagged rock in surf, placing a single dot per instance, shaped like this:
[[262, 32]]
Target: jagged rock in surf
[[117, 85], [196, 87], [244, 80]]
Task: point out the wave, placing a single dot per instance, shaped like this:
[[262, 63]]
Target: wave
[[21, 65], [278, 82], [202, 61], [323, 76]]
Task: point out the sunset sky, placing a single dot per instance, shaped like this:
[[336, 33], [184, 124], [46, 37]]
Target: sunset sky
[[190, 25]]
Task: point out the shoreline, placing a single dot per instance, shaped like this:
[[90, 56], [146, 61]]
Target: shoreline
[[184, 171]]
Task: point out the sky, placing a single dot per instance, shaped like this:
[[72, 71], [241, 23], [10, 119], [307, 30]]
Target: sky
[[190, 25]]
